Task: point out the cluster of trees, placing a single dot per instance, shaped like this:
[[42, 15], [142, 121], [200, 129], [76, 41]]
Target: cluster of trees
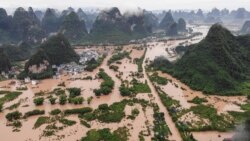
[[121, 134], [106, 86], [118, 56]]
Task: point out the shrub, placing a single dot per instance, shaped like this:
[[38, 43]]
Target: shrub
[[33, 113], [198, 100], [38, 101], [90, 99], [84, 123], [78, 111], [76, 100], [67, 122], [125, 91], [41, 120], [103, 107], [52, 100], [73, 92], [62, 99], [55, 112], [13, 116]]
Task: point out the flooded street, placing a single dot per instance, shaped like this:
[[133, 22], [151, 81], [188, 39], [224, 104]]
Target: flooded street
[[127, 70]]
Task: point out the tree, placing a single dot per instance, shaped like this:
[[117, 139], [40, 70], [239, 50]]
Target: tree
[[62, 99], [52, 100], [38, 101], [13, 116]]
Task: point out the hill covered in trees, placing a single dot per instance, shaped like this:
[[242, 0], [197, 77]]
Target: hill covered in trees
[[218, 64], [4, 62], [57, 50]]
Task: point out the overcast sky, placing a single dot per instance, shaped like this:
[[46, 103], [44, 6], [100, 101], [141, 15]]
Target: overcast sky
[[123, 4]]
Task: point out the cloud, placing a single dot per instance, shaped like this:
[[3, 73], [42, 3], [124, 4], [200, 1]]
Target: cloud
[[123, 4]]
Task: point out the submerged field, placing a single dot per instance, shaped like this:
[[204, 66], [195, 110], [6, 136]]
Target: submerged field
[[120, 100]]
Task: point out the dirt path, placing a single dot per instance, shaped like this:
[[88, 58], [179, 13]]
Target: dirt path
[[175, 132]]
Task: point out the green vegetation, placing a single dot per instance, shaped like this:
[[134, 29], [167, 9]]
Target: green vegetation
[[76, 100], [55, 112], [161, 130], [121, 134], [34, 113], [13, 116], [67, 122], [81, 111], [4, 92], [139, 61], [106, 86], [107, 114], [140, 87], [13, 106], [84, 123], [56, 50], [41, 120], [38, 101], [62, 99], [159, 80], [113, 67], [73, 92], [136, 88], [118, 56], [223, 67], [73, 28], [87, 78], [52, 100], [246, 107], [9, 96], [125, 91], [93, 64], [59, 91], [134, 113], [89, 99], [198, 100], [171, 105], [218, 122]]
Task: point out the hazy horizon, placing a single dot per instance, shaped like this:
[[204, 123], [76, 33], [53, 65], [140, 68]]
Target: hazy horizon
[[129, 4]]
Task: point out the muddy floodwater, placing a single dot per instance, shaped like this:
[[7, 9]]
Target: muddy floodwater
[[127, 68]]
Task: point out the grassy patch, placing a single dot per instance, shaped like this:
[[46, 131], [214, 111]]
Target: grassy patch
[[159, 80], [139, 87], [41, 120]]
